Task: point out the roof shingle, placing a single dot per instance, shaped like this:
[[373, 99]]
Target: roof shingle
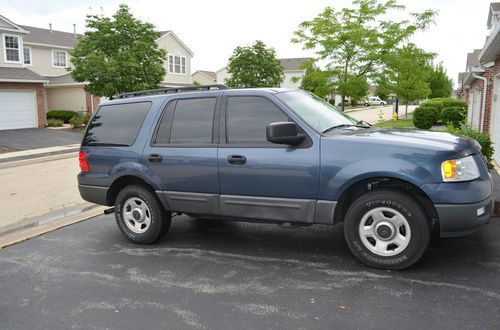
[[48, 37], [21, 74]]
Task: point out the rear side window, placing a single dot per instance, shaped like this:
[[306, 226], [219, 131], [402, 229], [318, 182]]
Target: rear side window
[[116, 124], [248, 117], [191, 122]]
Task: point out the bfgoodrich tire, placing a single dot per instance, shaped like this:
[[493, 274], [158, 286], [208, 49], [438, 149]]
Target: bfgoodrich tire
[[140, 215], [387, 229]]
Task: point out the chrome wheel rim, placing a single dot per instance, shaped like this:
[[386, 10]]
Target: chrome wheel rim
[[384, 231], [136, 215]]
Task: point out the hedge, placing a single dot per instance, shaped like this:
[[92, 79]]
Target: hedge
[[454, 116], [425, 116], [482, 138], [64, 115]]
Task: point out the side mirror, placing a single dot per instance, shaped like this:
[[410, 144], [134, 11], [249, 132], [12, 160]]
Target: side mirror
[[284, 133]]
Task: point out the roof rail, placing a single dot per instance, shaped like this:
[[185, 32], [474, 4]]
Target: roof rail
[[170, 90]]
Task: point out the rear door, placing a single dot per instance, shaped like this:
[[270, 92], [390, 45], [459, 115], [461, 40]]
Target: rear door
[[183, 154], [259, 179]]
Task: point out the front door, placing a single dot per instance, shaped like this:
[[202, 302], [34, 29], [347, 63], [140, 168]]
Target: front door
[[183, 155], [258, 179]]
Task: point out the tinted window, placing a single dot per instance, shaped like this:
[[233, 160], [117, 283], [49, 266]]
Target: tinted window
[[247, 118], [192, 121], [163, 134], [116, 124]]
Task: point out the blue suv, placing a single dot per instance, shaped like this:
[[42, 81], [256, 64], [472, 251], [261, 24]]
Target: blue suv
[[280, 156]]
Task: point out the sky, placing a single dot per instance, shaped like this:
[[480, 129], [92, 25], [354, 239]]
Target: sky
[[212, 29]]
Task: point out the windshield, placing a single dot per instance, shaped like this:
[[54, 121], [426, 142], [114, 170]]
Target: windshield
[[317, 113]]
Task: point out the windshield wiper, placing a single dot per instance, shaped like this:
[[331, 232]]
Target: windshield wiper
[[358, 124]]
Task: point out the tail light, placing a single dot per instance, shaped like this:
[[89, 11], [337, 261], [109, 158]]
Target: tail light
[[84, 164]]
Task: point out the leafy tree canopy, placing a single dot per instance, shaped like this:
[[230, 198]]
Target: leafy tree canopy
[[354, 41], [118, 54], [316, 81], [254, 66], [439, 82]]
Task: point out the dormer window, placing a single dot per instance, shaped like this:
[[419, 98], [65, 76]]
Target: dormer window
[[12, 46], [59, 59], [176, 64]]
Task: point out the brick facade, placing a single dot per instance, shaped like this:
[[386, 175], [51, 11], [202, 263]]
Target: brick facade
[[40, 97], [91, 102], [489, 74]]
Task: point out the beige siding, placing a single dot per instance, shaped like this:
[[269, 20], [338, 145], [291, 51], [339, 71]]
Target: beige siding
[[172, 46], [66, 98], [2, 55], [41, 59], [202, 79]]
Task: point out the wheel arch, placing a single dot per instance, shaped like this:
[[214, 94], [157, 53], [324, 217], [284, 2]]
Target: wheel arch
[[361, 186], [125, 180]]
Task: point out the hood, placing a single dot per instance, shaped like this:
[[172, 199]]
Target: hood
[[411, 138]]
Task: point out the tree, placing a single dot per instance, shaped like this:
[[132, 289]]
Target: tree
[[316, 81], [118, 54], [407, 73], [439, 83], [353, 41], [254, 66]]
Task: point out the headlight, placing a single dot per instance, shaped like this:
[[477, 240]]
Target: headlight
[[463, 169]]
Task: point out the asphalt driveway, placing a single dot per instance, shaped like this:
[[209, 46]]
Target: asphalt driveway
[[226, 275], [34, 138]]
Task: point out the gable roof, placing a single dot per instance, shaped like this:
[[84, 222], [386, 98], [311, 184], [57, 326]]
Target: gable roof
[[294, 64], [209, 74], [493, 10], [21, 75], [11, 26], [171, 33], [47, 37], [472, 59]]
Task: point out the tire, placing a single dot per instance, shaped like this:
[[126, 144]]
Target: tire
[[387, 229], [140, 215]]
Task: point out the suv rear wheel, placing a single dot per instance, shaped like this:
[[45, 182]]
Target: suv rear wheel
[[140, 215], [387, 229]]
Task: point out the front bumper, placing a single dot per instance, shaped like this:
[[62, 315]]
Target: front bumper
[[457, 220]]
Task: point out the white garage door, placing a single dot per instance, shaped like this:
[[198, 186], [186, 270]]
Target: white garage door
[[17, 109]]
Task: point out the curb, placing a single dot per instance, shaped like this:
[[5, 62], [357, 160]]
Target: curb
[[39, 159], [34, 231]]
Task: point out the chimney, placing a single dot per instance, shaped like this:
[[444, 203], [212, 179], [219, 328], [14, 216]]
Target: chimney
[[50, 27], [74, 29]]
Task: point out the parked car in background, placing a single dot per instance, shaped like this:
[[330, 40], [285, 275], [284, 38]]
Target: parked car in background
[[280, 156], [373, 100]]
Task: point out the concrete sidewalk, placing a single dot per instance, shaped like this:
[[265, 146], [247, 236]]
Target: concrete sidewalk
[[38, 153]]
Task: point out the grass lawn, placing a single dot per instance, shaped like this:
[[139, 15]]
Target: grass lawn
[[400, 123]]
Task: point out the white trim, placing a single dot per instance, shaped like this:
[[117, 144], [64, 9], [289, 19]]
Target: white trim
[[31, 57], [47, 45], [17, 28], [20, 49], [65, 57], [173, 64], [24, 81], [179, 40]]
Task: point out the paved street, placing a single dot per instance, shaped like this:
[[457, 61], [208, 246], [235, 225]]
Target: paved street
[[371, 115], [37, 189], [33, 138], [225, 275]]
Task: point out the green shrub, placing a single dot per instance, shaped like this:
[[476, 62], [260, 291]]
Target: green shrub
[[54, 122], [482, 138], [425, 116], [453, 116], [80, 120], [64, 115]]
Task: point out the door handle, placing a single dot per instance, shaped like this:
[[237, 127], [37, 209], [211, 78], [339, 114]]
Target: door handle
[[236, 159], [155, 158]]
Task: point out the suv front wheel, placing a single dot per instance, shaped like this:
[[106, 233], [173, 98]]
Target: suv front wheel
[[387, 229], [140, 215]]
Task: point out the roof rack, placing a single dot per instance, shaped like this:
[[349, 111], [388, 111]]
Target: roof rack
[[170, 90]]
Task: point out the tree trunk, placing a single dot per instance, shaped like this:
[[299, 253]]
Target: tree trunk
[[343, 102], [406, 109]]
